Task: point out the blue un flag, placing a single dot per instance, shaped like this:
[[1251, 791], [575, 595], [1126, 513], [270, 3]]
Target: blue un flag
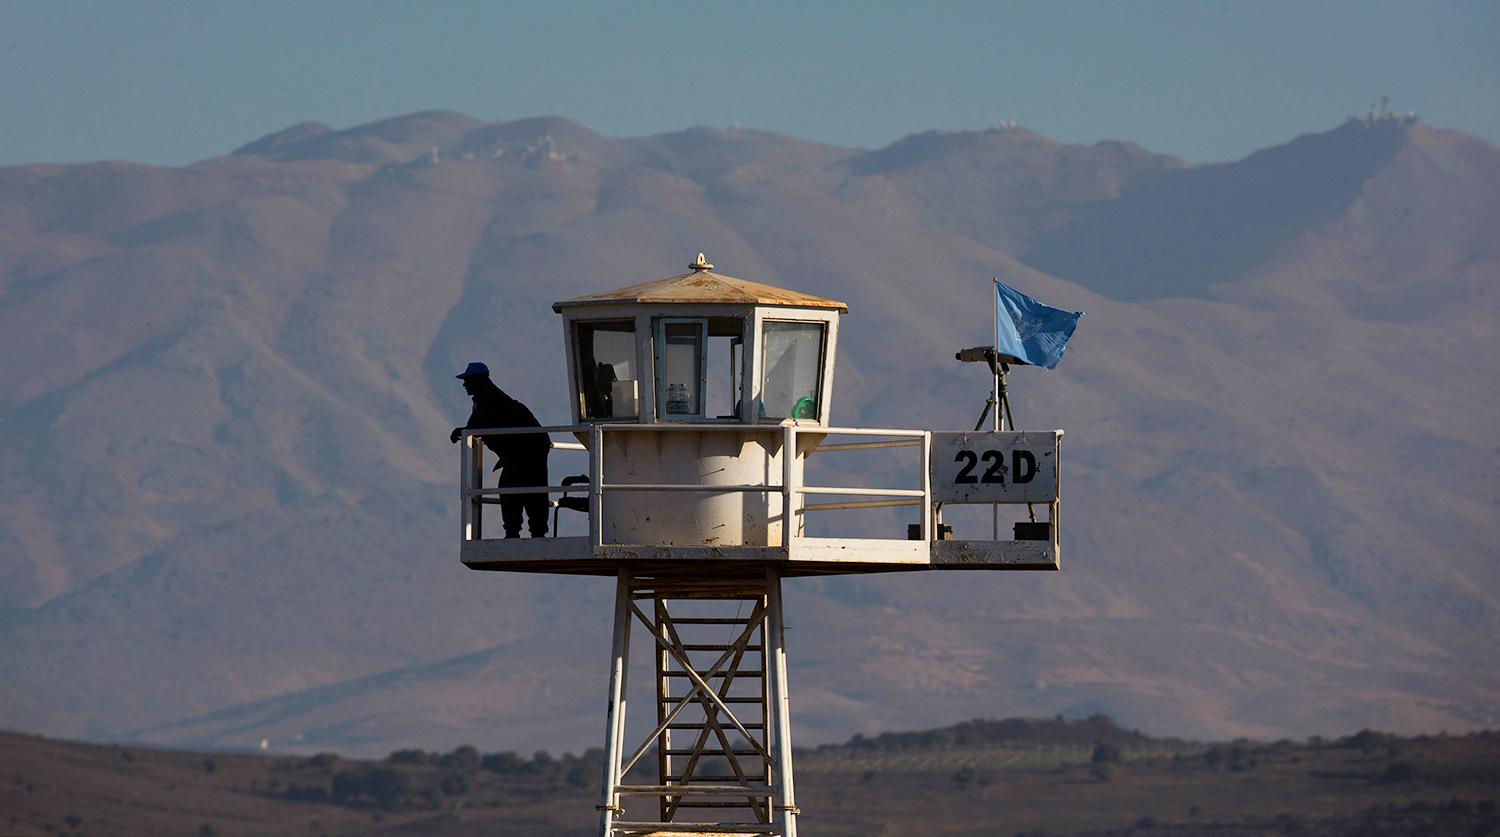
[[1029, 331]]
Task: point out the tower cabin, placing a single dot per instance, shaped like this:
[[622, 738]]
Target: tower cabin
[[698, 400]]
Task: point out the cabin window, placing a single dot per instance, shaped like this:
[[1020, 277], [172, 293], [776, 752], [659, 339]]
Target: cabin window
[[680, 366], [607, 383], [791, 369], [700, 366], [726, 367]]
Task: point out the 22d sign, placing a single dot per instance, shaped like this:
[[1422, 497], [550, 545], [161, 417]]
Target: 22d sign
[[1004, 467]]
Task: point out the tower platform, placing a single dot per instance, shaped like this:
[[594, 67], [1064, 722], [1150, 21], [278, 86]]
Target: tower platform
[[794, 555], [800, 557]]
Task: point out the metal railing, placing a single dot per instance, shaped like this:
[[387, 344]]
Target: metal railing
[[475, 496]]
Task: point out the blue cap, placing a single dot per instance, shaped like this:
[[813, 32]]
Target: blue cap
[[474, 369]]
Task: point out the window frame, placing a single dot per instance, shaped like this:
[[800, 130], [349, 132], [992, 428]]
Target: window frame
[[659, 367], [579, 396], [825, 328]]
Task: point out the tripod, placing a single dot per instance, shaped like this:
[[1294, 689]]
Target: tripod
[[999, 402], [999, 399]]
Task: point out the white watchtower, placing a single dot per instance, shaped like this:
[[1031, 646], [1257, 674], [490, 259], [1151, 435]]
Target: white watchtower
[[699, 399]]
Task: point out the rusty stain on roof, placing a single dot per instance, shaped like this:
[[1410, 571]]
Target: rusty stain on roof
[[702, 286]]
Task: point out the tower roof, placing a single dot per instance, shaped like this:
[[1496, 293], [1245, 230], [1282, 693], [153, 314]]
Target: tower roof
[[702, 286]]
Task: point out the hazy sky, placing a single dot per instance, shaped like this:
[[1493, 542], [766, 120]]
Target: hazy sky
[[168, 83]]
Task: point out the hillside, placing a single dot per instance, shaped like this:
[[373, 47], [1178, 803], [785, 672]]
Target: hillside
[[1369, 783], [226, 491]]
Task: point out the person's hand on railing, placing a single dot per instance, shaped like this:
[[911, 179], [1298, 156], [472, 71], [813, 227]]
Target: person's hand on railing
[[457, 434]]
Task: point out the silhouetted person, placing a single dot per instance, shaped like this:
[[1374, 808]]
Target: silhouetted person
[[522, 458], [606, 378]]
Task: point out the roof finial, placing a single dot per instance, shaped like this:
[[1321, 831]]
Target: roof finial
[[701, 264]]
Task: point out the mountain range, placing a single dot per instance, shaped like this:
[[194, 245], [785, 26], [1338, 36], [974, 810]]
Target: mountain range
[[228, 504]]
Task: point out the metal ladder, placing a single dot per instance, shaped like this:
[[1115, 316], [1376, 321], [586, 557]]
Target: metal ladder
[[722, 741]]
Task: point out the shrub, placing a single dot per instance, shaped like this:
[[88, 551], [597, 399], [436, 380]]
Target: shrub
[[388, 785], [209, 766], [407, 757], [593, 755], [965, 775], [582, 775], [454, 784], [463, 758], [1105, 753], [1400, 771], [1105, 771], [1365, 739], [312, 793], [944, 738], [506, 762], [323, 760], [347, 785]]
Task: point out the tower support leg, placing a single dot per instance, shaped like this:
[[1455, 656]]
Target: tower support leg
[[614, 723], [780, 716]]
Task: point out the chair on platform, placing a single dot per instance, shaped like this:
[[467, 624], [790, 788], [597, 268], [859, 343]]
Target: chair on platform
[[580, 504]]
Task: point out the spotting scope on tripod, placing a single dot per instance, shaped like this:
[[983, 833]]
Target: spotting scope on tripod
[[1000, 397]]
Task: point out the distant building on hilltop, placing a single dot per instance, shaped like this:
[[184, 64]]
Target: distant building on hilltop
[[1384, 114]]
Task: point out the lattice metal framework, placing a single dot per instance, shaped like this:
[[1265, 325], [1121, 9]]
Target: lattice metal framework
[[722, 738]]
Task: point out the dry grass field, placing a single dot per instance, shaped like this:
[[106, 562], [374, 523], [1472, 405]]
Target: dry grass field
[[1366, 785]]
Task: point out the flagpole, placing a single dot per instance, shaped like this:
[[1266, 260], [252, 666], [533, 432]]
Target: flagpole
[[995, 399]]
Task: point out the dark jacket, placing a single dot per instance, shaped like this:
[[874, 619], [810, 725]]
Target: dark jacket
[[493, 408]]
